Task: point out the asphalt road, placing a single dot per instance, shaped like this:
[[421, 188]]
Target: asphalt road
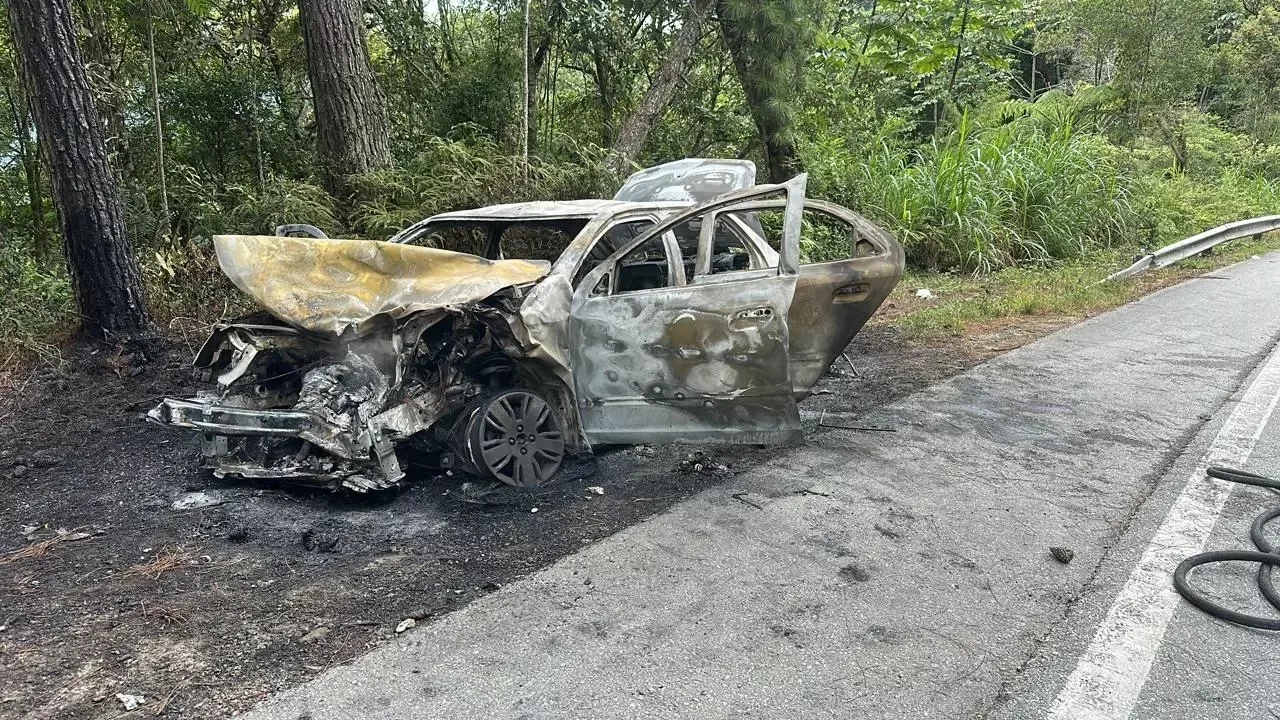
[[908, 574]]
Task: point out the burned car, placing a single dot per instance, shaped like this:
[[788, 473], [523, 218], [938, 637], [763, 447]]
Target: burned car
[[647, 319]]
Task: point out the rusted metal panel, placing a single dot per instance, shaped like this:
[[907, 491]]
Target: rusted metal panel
[[834, 300], [332, 286], [692, 363]]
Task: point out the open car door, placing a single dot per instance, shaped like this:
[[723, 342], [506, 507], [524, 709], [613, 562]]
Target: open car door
[[835, 299], [657, 359]]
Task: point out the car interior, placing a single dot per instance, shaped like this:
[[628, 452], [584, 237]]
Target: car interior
[[647, 267]]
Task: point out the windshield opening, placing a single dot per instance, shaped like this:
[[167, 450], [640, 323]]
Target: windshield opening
[[500, 239]]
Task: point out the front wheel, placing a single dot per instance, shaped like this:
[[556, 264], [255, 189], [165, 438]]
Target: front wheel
[[513, 437]]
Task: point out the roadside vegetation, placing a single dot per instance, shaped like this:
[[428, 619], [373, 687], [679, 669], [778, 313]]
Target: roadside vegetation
[[1021, 149], [1070, 290]]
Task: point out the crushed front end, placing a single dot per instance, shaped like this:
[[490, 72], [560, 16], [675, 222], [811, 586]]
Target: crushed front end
[[287, 405], [368, 349], [292, 406]]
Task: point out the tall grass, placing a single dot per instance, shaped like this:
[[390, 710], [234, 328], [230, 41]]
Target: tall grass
[[38, 302], [985, 198], [1033, 183], [454, 175]]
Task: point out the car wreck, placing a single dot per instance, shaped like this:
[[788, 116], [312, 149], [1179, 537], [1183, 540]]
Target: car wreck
[[679, 311]]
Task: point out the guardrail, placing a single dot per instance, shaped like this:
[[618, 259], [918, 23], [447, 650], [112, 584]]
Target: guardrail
[[1197, 244]]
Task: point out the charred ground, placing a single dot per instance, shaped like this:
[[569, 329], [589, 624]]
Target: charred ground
[[204, 611]]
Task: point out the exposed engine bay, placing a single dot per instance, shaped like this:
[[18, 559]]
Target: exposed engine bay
[[452, 384]]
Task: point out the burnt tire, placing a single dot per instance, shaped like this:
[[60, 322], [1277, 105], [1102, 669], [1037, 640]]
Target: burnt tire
[[514, 437]]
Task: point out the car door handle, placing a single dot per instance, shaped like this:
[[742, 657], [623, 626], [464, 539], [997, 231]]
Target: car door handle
[[856, 292], [758, 313]]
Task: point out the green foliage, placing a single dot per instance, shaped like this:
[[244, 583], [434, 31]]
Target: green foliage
[[776, 36], [1210, 149], [989, 197], [466, 69], [940, 51], [1086, 109], [278, 202], [1253, 81], [454, 174], [38, 302], [1178, 207], [1154, 52]]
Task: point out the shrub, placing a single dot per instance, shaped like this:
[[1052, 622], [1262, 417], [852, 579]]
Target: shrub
[[280, 201], [454, 174], [985, 198], [1176, 207], [38, 302]]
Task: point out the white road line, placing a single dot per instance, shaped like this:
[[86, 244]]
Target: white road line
[[1110, 674]]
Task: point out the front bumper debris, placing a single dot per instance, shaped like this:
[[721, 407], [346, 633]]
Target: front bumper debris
[[218, 420], [237, 442]]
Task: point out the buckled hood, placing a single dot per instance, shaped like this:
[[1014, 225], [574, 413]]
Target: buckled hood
[[340, 286]]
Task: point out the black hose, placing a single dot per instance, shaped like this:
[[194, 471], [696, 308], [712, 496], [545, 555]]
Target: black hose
[[1264, 556]]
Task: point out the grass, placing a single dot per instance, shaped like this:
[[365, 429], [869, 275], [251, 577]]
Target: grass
[[1002, 193], [166, 560], [36, 549], [964, 304], [42, 548]]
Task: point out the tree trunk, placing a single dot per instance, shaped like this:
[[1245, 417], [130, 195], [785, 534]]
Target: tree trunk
[[351, 116], [104, 272], [636, 128], [866, 40], [955, 66], [773, 124], [602, 74]]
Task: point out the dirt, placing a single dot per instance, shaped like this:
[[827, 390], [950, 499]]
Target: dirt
[[204, 611]]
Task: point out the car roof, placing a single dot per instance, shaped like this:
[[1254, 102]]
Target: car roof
[[550, 210]]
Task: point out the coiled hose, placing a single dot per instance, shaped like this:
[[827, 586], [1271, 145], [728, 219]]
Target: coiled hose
[[1264, 555]]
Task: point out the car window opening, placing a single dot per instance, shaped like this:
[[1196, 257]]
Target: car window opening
[[496, 240]]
